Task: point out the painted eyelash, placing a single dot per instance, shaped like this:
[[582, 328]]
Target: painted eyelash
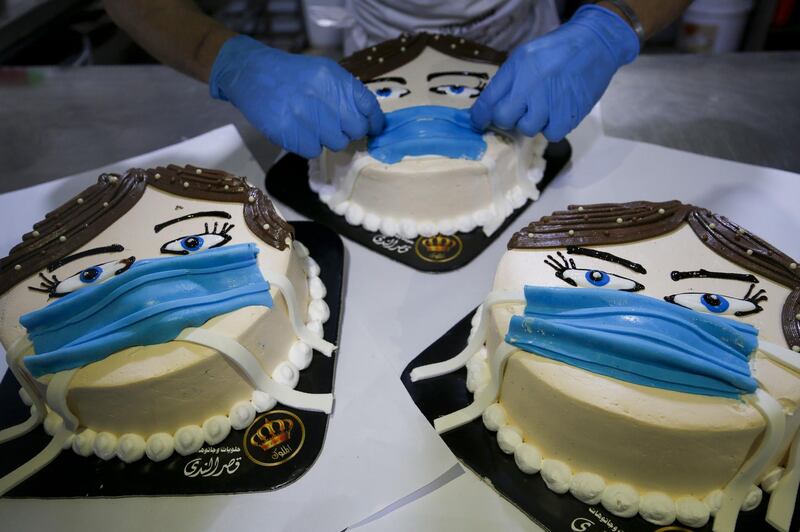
[[755, 299], [226, 227], [560, 266], [47, 286]]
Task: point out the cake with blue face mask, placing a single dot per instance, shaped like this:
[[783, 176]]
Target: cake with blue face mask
[[638, 377], [429, 171], [154, 313]]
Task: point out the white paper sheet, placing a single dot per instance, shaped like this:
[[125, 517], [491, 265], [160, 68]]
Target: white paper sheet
[[378, 448]]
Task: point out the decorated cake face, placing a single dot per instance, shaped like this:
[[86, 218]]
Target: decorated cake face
[[394, 182], [175, 295], [643, 356]]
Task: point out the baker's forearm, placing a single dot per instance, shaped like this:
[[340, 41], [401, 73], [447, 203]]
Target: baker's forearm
[[654, 15], [175, 32]]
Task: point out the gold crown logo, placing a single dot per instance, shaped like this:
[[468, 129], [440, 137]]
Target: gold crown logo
[[438, 244], [272, 433]]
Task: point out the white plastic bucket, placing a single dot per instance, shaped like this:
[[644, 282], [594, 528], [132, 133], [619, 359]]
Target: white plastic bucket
[[714, 25], [323, 31]]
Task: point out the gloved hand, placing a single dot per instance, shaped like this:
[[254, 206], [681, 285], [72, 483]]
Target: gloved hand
[[551, 83], [299, 102]]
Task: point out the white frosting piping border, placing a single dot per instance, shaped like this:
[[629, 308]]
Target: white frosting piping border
[[131, 447], [489, 218]]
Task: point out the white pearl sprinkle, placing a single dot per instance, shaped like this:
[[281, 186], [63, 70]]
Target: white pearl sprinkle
[[380, 60], [112, 179], [80, 201], [580, 209], [530, 235], [712, 226], [265, 227], [749, 251], [226, 187], [62, 238], [797, 316], [402, 39], [105, 204], [476, 52], [198, 171], [571, 232], [369, 58], [461, 41], [402, 48], [453, 46], [251, 199], [793, 266], [157, 176], [619, 220], [17, 267], [661, 211], [36, 233], [374, 48], [185, 184], [436, 37]]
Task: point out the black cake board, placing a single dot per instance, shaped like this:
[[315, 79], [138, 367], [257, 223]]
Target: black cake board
[[476, 447], [287, 181], [228, 467]]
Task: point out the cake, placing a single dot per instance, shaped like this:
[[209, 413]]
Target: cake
[[642, 356], [429, 171], [156, 311]]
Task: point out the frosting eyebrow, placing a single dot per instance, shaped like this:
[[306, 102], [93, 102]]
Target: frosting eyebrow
[[606, 256], [479, 75], [402, 81], [217, 214], [114, 248], [694, 274]]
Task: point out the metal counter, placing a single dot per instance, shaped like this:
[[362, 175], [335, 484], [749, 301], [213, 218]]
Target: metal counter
[[59, 121]]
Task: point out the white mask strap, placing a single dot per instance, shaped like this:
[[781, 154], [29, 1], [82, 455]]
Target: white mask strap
[[251, 367], [736, 490], [483, 398], [475, 341], [780, 355], [782, 499], [304, 333], [35, 464], [14, 359]]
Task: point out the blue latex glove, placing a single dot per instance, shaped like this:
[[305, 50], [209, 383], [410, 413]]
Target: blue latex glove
[[551, 83], [299, 102]]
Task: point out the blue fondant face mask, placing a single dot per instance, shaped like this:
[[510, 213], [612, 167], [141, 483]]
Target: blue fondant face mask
[[150, 303], [427, 130], [637, 339]]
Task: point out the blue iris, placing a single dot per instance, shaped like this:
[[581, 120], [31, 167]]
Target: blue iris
[[456, 89], [597, 277], [90, 275], [715, 303], [384, 92], [192, 243]]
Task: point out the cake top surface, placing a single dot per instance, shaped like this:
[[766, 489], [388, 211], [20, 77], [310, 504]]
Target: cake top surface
[[683, 254], [143, 214]]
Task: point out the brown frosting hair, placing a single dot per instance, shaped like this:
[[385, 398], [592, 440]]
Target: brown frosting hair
[[618, 223], [388, 55], [92, 211]]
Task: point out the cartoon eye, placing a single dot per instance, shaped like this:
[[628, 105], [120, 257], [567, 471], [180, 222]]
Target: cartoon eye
[[209, 239], [93, 275], [599, 279], [719, 303], [387, 93], [567, 271], [459, 91]]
